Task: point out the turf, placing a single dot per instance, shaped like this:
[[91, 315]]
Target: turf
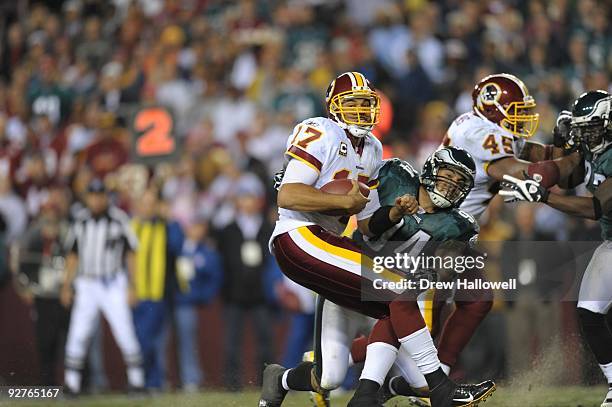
[[503, 397]]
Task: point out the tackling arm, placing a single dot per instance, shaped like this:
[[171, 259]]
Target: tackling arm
[[592, 208]]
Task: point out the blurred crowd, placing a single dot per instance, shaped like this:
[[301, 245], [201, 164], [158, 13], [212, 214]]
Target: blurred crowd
[[237, 76]]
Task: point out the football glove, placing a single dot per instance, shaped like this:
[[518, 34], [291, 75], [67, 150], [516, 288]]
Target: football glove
[[562, 136], [278, 178], [529, 190]]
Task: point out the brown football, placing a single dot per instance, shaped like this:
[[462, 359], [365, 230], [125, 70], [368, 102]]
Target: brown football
[[342, 187]]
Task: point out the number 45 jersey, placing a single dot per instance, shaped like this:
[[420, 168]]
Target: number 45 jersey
[[324, 147], [398, 178], [486, 142]]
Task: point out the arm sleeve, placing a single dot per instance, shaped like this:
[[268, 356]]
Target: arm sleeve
[[307, 144], [299, 172]]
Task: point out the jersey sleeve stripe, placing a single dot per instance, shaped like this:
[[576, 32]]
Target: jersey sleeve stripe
[[303, 156]]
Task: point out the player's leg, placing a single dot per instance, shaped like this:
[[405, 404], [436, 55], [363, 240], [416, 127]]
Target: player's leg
[[332, 266], [471, 307], [82, 323], [335, 328], [118, 314], [594, 302]]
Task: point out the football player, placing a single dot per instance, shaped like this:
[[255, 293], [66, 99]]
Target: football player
[[591, 130], [446, 179], [307, 245], [495, 133]]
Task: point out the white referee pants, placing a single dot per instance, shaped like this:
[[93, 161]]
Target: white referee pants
[[596, 287], [91, 296]]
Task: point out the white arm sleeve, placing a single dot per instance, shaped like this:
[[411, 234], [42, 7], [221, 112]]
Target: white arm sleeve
[[371, 206], [298, 172]]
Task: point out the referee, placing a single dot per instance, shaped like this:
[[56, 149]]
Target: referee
[[96, 245]]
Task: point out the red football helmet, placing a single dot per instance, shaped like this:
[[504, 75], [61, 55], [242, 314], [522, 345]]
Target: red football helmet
[[504, 100], [353, 103]]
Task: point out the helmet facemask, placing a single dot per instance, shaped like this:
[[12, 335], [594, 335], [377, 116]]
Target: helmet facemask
[[594, 130], [448, 186], [356, 111], [519, 118]]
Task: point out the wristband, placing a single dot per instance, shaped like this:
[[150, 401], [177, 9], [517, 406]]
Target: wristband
[[380, 222]]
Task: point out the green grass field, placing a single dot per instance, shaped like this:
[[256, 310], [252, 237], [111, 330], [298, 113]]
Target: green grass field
[[503, 397]]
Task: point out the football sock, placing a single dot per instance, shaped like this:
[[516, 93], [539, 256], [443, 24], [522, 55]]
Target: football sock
[[421, 349], [607, 371], [435, 378], [298, 378], [445, 368], [597, 334], [379, 360]]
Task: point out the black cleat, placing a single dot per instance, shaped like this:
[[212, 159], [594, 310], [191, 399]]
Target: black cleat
[[272, 392], [473, 394], [365, 400], [443, 394]]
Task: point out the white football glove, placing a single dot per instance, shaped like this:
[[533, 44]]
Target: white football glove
[[278, 179], [514, 189]]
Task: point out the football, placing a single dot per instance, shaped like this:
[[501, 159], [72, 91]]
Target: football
[[342, 187]]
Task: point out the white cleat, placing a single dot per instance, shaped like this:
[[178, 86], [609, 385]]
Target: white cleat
[[608, 400]]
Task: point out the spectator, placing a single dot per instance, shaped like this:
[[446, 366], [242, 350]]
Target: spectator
[[198, 277], [39, 278], [244, 253], [159, 242]]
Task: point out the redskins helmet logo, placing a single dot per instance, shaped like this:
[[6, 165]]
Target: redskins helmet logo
[[490, 93]]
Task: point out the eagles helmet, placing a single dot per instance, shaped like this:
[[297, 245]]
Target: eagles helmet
[[448, 192], [591, 123]]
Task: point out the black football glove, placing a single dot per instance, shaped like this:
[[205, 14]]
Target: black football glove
[[278, 178], [514, 189], [562, 136]]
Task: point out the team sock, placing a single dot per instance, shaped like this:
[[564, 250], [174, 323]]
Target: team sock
[[298, 378], [379, 360]]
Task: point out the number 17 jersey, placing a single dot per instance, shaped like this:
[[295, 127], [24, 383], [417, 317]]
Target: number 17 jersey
[[325, 147]]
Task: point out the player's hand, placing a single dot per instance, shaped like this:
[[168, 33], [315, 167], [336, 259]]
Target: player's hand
[[404, 205], [355, 201], [278, 178], [66, 296], [527, 190], [562, 137]]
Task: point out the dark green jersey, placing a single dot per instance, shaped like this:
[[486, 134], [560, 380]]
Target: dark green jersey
[[598, 169], [397, 178]]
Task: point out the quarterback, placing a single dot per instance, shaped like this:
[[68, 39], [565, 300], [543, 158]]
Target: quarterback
[[306, 241], [591, 131]]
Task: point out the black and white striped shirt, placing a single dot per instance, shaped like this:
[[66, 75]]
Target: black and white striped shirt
[[100, 242]]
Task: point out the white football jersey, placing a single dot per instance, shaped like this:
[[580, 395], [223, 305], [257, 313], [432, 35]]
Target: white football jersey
[[486, 142], [324, 146]]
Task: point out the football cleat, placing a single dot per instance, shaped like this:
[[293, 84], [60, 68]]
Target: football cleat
[[317, 399], [608, 400], [272, 392], [473, 394], [365, 400]]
